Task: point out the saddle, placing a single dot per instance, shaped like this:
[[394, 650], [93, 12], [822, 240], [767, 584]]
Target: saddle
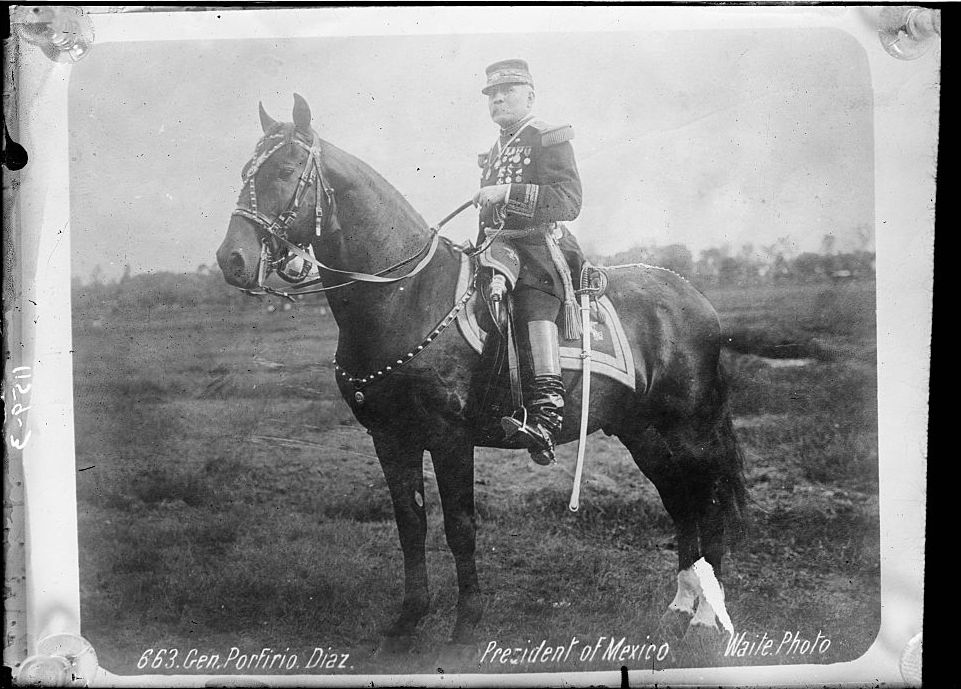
[[503, 370], [496, 271]]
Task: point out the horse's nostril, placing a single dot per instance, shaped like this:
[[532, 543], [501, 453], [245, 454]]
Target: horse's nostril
[[234, 268], [235, 263]]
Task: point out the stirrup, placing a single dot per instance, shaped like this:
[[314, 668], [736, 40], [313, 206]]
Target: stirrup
[[540, 444]]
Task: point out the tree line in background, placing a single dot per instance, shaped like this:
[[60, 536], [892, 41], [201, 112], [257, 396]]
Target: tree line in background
[[714, 267], [751, 265]]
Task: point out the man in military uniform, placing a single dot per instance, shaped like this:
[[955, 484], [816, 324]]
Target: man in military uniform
[[529, 184]]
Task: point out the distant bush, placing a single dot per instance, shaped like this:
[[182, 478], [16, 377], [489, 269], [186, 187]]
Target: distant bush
[[159, 289]]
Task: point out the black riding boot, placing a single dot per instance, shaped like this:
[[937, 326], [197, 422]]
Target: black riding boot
[[541, 418]]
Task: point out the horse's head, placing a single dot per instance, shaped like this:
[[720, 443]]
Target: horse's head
[[278, 213]]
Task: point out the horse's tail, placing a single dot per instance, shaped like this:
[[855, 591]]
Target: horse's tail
[[731, 486]]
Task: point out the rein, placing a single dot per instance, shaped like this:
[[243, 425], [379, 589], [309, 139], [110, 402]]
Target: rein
[[430, 247]]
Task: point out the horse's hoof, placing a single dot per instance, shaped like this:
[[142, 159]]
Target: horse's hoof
[[462, 634], [703, 645], [469, 613], [458, 657], [395, 645], [673, 625]]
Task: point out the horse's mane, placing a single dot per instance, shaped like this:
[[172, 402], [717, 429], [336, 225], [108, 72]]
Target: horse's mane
[[361, 175], [351, 169]]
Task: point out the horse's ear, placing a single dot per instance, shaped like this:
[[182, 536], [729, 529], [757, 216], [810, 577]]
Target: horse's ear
[[301, 114], [266, 121]]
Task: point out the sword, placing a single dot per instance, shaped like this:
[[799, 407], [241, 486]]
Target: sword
[[585, 396]]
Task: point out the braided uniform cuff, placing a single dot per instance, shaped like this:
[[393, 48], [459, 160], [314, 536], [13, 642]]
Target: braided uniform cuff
[[522, 200]]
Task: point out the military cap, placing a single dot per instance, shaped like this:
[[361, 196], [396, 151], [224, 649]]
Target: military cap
[[507, 72]]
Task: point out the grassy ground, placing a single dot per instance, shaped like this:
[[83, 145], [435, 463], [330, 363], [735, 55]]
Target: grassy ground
[[235, 503]]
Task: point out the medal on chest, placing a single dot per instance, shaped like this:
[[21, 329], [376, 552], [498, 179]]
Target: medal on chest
[[510, 165]]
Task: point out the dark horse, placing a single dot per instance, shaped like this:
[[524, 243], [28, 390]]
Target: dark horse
[[676, 425]]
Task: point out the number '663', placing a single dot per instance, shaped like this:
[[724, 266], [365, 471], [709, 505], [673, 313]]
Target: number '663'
[[159, 658]]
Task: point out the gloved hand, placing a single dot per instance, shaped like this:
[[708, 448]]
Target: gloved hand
[[492, 196]]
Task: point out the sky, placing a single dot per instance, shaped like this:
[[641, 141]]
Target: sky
[[701, 137]]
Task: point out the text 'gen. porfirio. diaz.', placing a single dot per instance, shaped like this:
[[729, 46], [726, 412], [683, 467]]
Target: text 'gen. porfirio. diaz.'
[[267, 659]]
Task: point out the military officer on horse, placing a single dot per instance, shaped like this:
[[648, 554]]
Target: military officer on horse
[[529, 185]]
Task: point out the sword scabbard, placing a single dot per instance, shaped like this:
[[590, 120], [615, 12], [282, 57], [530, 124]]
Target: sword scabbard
[[585, 398]]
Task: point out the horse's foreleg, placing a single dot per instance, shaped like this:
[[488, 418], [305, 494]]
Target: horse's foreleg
[[454, 467], [403, 466]]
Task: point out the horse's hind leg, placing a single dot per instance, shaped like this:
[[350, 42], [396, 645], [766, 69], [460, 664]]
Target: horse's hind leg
[[403, 466], [678, 493], [706, 444], [696, 469]]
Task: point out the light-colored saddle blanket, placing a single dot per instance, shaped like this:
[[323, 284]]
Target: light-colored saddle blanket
[[611, 354]]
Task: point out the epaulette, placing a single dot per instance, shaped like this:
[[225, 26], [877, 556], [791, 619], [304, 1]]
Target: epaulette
[[482, 160], [555, 135]]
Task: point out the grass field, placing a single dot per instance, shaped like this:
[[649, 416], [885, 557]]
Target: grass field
[[231, 500]]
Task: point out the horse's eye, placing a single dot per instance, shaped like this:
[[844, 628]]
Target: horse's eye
[[285, 171]]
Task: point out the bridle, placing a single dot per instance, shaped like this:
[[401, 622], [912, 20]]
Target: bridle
[[277, 252]]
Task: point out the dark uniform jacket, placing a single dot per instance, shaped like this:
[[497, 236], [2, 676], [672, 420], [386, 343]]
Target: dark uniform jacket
[[537, 160]]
